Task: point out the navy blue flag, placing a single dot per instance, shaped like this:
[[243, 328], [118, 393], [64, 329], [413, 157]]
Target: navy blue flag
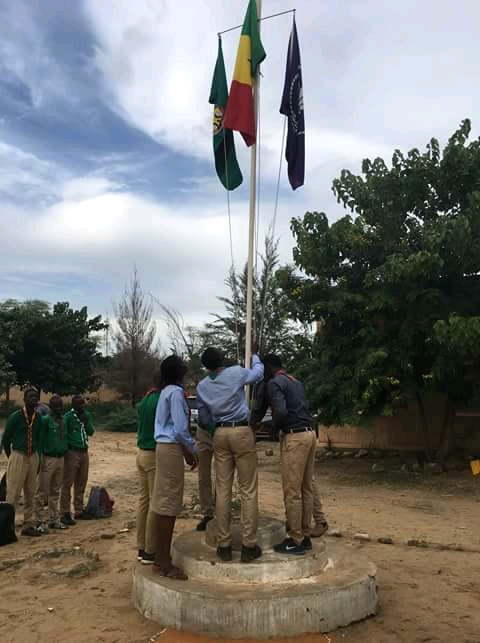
[[292, 107]]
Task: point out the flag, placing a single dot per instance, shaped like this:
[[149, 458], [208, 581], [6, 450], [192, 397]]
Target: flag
[[292, 107], [240, 112], [226, 162]]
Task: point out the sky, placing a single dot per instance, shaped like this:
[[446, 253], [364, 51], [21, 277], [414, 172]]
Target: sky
[[106, 140]]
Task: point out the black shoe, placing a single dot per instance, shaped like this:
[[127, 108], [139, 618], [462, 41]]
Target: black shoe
[[225, 553], [68, 520], [42, 528], [83, 515], [250, 553], [141, 554], [57, 525], [202, 525], [31, 531], [289, 546], [307, 543], [148, 559]]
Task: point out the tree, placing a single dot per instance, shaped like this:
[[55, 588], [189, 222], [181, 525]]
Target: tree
[[273, 324], [52, 349], [136, 356], [396, 286]]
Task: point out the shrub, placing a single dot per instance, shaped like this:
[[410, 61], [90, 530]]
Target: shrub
[[7, 407], [121, 420]]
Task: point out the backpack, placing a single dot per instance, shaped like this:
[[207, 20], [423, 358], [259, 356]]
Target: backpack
[[3, 488], [100, 504], [7, 524]]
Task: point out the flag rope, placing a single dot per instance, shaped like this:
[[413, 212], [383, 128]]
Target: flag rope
[[274, 15]]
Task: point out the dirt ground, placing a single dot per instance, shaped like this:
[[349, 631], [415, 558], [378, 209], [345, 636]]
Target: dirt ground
[[81, 592]]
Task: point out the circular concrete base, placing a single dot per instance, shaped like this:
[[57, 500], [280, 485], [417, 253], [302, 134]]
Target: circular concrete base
[[338, 587], [270, 531]]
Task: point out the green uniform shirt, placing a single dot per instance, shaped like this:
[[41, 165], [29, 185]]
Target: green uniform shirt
[[18, 436], [77, 432], [54, 436], [146, 420]]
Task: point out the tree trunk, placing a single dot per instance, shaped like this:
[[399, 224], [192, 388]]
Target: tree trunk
[[447, 434], [422, 453], [7, 394]]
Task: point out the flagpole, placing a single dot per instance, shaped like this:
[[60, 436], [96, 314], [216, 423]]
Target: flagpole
[[252, 213]]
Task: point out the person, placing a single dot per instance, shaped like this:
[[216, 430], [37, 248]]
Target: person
[[22, 442], [174, 443], [320, 524], [205, 490], [50, 477], [145, 462], [286, 397], [223, 411], [78, 427]]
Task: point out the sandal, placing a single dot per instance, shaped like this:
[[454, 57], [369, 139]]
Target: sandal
[[171, 572]]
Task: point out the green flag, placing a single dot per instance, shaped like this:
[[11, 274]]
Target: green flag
[[226, 162]]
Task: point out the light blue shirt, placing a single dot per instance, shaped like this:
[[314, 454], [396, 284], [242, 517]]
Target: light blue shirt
[[172, 418], [222, 399]]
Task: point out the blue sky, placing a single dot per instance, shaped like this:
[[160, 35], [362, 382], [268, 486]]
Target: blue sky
[[105, 135]]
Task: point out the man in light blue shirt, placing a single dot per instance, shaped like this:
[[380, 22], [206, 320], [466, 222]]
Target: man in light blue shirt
[[223, 411]]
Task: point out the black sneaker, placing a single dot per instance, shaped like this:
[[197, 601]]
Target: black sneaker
[[225, 553], [202, 525], [140, 555], [289, 546], [57, 525], [307, 543], [83, 515], [68, 520], [250, 553], [31, 531], [42, 528], [148, 559]]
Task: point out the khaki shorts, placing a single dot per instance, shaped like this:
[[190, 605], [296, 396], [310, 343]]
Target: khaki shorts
[[167, 496]]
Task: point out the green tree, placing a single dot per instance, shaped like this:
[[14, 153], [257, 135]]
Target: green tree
[[54, 349], [396, 286], [273, 324], [136, 356]]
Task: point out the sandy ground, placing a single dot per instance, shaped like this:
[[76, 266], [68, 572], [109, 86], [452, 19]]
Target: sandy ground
[[426, 594]]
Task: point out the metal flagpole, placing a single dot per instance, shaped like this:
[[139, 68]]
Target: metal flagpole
[[252, 216]]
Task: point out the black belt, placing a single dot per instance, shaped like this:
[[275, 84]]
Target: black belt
[[53, 455], [298, 429], [147, 449], [232, 424], [78, 450]]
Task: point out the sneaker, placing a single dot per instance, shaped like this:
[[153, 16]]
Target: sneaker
[[289, 546], [148, 559], [31, 531], [140, 555], [57, 525], [307, 543], [202, 525], [42, 528], [250, 553], [83, 515], [319, 529], [225, 553], [68, 520]]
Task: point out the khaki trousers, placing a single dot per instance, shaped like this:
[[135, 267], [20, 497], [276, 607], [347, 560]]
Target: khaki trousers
[[234, 448], [22, 473], [297, 465], [145, 519], [318, 515], [205, 487], [75, 472], [50, 480]]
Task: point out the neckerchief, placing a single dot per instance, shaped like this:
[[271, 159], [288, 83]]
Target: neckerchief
[[82, 428], [216, 371], [29, 430]]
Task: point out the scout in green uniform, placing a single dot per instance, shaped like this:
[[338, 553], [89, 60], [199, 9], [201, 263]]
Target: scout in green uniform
[[50, 477], [22, 442], [78, 427]]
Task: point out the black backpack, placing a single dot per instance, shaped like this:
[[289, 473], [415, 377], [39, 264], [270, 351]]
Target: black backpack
[[100, 504], [7, 524]]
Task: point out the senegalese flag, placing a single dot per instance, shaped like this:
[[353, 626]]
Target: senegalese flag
[[226, 162], [240, 112]]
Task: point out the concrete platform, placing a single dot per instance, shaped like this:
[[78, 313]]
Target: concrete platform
[[270, 531], [338, 587], [200, 561]]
